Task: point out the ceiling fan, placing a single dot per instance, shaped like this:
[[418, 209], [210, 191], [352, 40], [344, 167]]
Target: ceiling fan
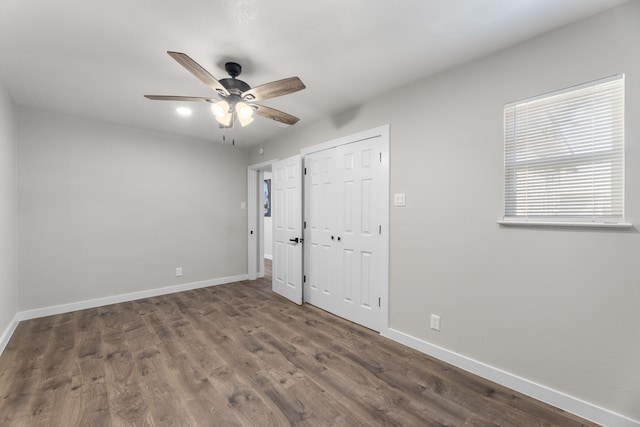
[[237, 97]]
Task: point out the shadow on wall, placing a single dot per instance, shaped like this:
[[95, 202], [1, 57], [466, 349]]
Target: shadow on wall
[[342, 119]]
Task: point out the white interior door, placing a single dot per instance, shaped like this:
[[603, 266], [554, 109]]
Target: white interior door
[[286, 213], [345, 202]]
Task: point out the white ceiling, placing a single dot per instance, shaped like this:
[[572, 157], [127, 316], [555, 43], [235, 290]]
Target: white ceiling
[[96, 59]]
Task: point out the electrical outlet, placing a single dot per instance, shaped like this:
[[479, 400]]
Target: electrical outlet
[[178, 271], [435, 322]]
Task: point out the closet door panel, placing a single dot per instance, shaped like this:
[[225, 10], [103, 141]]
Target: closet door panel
[[319, 192]]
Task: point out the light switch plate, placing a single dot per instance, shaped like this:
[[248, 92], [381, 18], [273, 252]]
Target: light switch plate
[[399, 199], [435, 322]]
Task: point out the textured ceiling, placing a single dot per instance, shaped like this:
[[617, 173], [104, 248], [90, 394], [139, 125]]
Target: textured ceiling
[[96, 59]]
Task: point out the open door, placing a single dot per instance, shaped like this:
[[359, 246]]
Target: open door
[[286, 191]]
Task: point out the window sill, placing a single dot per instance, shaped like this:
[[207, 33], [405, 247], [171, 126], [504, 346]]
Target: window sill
[[566, 224]]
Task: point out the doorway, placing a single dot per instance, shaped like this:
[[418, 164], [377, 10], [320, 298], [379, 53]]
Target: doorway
[[268, 222], [259, 226]]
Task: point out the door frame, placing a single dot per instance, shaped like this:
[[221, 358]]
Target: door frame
[[255, 223], [255, 202], [382, 132]]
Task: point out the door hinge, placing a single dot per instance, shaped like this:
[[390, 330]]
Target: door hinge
[[379, 302], [304, 278], [305, 171], [380, 157], [304, 224], [380, 229]]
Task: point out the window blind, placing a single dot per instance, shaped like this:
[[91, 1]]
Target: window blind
[[564, 155]]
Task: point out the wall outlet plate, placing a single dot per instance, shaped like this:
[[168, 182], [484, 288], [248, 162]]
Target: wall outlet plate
[[178, 271]]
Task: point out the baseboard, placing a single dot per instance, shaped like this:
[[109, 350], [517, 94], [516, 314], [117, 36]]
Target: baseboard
[[555, 398], [6, 335], [98, 302]]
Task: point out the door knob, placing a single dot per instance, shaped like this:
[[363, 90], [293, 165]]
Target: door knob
[[339, 238], [295, 240]]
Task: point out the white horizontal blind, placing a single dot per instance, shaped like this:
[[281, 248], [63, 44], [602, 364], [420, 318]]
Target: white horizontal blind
[[564, 155]]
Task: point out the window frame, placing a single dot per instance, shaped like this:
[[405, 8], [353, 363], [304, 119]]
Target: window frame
[[539, 149]]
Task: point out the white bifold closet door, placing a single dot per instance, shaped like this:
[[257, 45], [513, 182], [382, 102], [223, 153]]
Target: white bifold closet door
[[343, 243]]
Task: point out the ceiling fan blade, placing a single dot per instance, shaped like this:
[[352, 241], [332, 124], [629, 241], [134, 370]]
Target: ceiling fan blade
[[194, 68], [273, 114], [178, 98], [273, 89]]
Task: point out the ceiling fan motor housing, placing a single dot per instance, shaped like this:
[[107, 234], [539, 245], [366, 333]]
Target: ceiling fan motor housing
[[235, 86]]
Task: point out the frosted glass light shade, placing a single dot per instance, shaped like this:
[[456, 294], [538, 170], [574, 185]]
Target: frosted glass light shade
[[221, 112]]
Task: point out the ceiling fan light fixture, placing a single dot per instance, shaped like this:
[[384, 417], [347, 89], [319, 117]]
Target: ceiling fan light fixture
[[225, 120], [221, 112], [245, 120], [220, 109], [244, 110]]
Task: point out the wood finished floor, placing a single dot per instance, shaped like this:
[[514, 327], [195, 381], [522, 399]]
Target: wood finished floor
[[238, 355]]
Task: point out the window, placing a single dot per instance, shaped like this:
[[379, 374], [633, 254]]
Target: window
[[564, 156]]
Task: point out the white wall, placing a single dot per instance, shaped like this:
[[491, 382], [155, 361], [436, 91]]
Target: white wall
[[8, 215], [108, 210], [559, 307], [268, 230]]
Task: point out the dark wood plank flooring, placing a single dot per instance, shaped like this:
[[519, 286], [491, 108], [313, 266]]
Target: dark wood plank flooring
[[238, 355]]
